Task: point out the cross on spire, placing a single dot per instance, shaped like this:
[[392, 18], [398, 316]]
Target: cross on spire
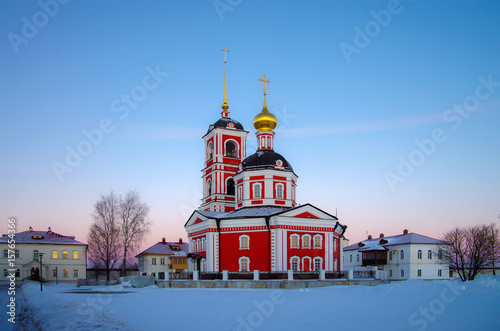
[[225, 50], [264, 81]]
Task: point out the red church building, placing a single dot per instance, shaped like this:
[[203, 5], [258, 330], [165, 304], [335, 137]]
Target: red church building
[[249, 218]]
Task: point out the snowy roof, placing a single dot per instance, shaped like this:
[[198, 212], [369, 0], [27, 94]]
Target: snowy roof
[[41, 237], [167, 248], [245, 212], [378, 244]]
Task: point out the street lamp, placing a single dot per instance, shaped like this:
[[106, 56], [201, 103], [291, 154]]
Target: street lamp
[[41, 282]]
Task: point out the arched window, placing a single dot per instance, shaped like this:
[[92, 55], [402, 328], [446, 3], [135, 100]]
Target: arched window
[[244, 263], [279, 191], [209, 187], [231, 149], [203, 244], [419, 254], [54, 254], [294, 241], [257, 190], [402, 255], [440, 255], [35, 255], [306, 241], [65, 254], [198, 245], [294, 263], [318, 263], [210, 151], [75, 255], [318, 241], [230, 186], [193, 245], [429, 254], [244, 241]]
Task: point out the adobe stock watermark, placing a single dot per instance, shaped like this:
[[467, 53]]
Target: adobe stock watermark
[[94, 306], [363, 37], [263, 309], [436, 307], [222, 6], [31, 27], [428, 146], [284, 120], [120, 106]]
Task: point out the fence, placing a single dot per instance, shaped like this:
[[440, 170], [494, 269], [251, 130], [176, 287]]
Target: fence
[[273, 275]]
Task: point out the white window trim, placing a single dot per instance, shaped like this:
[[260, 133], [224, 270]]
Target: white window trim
[[248, 263], [248, 241], [320, 241], [304, 263], [320, 259], [295, 257], [237, 146], [255, 185], [305, 238], [282, 191], [298, 240]]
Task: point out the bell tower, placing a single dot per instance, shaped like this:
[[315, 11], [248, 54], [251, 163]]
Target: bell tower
[[225, 147]]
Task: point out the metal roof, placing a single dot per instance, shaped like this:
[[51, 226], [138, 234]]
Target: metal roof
[[41, 237], [410, 238], [165, 248]]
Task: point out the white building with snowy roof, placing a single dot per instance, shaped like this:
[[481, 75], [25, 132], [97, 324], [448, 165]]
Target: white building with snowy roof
[[63, 258], [404, 256], [163, 257]]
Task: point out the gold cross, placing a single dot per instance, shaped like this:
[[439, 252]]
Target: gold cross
[[225, 51], [264, 81]]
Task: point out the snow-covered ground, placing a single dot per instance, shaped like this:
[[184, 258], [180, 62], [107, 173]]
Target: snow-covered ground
[[409, 305]]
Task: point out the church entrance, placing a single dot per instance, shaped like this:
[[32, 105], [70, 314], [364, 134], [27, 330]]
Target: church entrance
[[35, 274]]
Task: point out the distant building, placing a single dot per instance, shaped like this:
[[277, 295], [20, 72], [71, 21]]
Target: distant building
[[404, 256], [163, 257], [64, 259]]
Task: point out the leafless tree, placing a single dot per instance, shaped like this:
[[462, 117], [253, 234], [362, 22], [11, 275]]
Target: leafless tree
[[469, 249], [494, 245], [104, 235], [134, 225]]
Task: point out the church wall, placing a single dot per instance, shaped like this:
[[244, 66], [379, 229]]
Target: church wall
[[257, 251]]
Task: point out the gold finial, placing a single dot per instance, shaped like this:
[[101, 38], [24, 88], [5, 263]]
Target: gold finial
[[225, 106], [265, 120]]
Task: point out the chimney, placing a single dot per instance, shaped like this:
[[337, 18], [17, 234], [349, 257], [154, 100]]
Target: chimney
[[381, 235], [49, 230], [370, 237], [405, 231], [30, 229], [163, 240], [180, 240]]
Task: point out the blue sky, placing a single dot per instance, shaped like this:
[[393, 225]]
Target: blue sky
[[357, 87]]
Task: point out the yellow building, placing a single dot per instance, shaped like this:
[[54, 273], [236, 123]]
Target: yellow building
[[163, 257], [62, 257]]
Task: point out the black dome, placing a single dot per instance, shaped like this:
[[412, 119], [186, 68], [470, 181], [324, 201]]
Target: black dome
[[225, 122], [265, 159]]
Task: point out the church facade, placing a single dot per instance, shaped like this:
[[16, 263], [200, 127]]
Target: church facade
[[249, 218]]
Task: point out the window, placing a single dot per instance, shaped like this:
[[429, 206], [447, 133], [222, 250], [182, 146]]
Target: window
[[153, 261], [75, 255], [162, 261], [193, 245], [210, 151], [161, 275], [429, 254], [240, 193], [54, 254], [390, 273], [279, 191], [440, 255], [198, 244], [244, 242], [350, 258], [54, 272], [256, 191], [419, 254], [440, 273], [35, 255], [318, 241], [75, 273], [65, 273], [390, 256], [230, 186], [230, 149], [203, 264], [244, 263], [294, 261], [65, 254], [317, 264], [357, 257], [203, 244], [335, 244], [306, 241], [402, 273], [17, 253], [402, 255], [294, 241], [419, 273], [209, 187], [5, 254]]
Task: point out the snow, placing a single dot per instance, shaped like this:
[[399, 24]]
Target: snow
[[408, 305]]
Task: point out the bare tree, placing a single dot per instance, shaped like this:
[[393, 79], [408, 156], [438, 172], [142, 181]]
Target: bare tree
[[494, 245], [468, 249], [104, 235], [134, 225]]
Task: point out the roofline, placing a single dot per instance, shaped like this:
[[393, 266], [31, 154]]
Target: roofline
[[232, 130]]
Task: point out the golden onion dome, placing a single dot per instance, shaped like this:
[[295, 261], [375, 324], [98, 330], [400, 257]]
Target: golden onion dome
[[265, 120]]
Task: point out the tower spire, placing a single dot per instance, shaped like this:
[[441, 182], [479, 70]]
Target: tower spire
[[264, 81], [225, 106]]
